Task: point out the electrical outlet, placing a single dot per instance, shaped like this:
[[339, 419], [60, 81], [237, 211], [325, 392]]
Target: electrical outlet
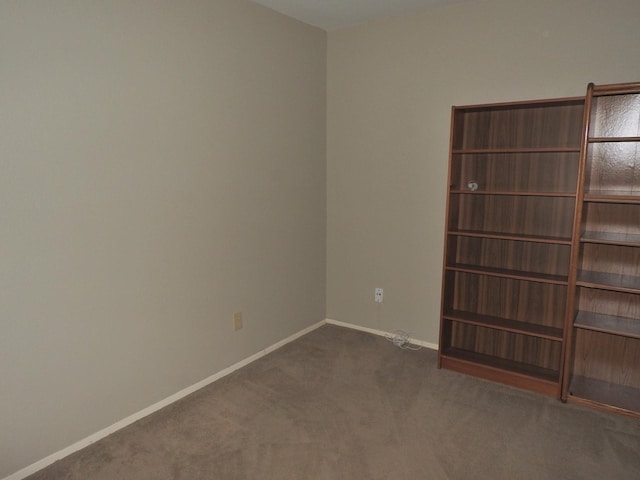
[[377, 296], [237, 321]]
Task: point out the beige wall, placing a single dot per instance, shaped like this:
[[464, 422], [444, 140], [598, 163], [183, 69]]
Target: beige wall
[[391, 85], [162, 165]]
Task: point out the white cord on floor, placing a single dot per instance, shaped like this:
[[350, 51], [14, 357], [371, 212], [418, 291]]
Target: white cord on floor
[[400, 339]]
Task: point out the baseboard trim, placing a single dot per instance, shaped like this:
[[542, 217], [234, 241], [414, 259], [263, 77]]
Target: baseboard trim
[[432, 346], [85, 442]]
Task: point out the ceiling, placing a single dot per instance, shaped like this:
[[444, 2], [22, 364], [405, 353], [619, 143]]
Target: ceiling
[[332, 14]]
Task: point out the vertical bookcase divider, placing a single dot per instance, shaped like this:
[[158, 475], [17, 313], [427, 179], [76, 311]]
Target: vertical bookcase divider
[[575, 253]]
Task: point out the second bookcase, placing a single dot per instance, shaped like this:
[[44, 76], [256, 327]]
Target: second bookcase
[[603, 357]]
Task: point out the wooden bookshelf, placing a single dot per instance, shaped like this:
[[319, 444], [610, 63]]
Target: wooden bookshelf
[[541, 274], [513, 179], [603, 315]]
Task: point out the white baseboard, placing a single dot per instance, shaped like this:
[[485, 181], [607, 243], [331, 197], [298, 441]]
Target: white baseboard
[[432, 346], [85, 442]]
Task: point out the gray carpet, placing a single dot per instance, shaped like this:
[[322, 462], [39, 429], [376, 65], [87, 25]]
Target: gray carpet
[[342, 404]]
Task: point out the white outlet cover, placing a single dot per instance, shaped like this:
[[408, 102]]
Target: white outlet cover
[[378, 295]]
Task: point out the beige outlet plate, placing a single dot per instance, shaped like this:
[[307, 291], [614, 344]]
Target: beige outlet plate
[[237, 321]]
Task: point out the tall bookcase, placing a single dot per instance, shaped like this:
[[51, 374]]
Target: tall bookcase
[[513, 177], [604, 315]]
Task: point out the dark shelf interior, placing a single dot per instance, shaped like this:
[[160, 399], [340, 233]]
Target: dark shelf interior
[[512, 214], [514, 326], [609, 281], [605, 393], [615, 115], [541, 173], [496, 347], [606, 369], [612, 324], [550, 124], [612, 238], [503, 364], [509, 273], [536, 261], [612, 171], [511, 236], [506, 298]]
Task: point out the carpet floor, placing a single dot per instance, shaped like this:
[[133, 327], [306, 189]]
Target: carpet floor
[[340, 404]]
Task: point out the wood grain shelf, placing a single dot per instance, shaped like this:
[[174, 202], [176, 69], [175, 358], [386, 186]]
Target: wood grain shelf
[[609, 281], [506, 365], [511, 236], [514, 326], [612, 196], [612, 396], [465, 151], [615, 325], [505, 273], [613, 139], [612, 238], [512, 193]]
